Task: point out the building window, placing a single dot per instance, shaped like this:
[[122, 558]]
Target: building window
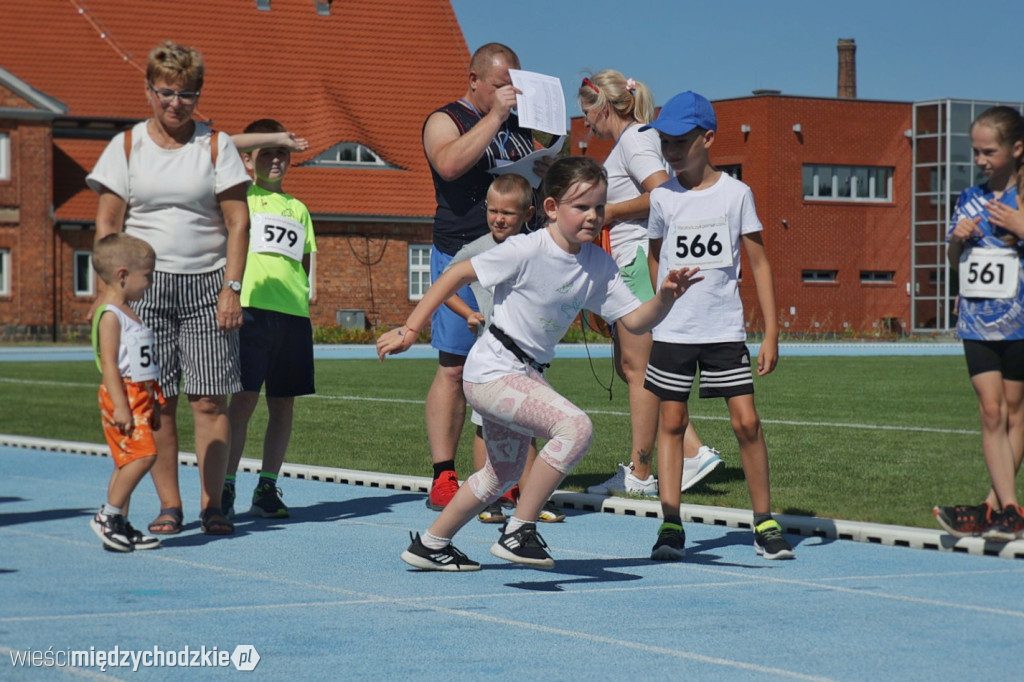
[[734, 170], [5, 272], [847, 183], [5, 156], [419, 270], [877, 276], [349, 155], [819, 275], [84, 278]]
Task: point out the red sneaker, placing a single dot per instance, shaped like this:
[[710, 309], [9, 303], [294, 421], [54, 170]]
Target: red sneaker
[[510, 499], [442, 490]]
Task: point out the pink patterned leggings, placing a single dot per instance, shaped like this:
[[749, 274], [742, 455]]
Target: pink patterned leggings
[[516, 408]]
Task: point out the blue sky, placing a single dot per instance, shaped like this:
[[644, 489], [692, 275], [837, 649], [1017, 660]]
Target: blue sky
[[907, 50]]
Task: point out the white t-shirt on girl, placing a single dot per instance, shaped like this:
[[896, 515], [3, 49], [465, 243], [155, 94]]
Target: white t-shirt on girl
[[539, 289]]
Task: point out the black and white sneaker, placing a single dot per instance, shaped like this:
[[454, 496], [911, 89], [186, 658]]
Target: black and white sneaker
[[110, 529], [770, 543], [139, 539], [524, 546], [446, 559], [671, 542]]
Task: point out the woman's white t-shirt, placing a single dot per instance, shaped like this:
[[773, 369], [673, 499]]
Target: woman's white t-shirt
[[539, 289], [635, 157], [171, 195]]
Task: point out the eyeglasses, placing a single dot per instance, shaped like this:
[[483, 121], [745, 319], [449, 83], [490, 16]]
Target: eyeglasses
[[588, 83], [167, 96]]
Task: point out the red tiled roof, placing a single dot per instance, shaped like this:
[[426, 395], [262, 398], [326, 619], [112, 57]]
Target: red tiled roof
[[370, 73]]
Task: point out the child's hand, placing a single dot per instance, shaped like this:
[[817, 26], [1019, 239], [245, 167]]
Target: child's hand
[[296, 144], [474, 320], [678, 281], [966, 229], [395, 341], [1010, 219], [767, 356], [122, 419]]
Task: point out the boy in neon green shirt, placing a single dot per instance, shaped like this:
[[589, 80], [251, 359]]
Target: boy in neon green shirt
[[276, 338]]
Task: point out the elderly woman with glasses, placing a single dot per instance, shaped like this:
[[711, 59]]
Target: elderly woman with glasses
[[175, 183], [614, 108]]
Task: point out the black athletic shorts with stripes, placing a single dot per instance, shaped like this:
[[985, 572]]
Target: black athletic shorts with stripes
[[724, 370]]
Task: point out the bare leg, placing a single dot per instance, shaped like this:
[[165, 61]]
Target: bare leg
[[753, 451], [279, 432], [212, 435], [632, 352], [675, 418], [165, 469], [239, 413], [446, 413], [995, 438]]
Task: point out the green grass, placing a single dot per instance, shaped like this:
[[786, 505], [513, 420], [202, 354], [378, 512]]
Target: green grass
[[879, 439]]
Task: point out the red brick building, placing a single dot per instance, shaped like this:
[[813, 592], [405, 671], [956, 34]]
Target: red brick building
[[357, 79], [831, 181]]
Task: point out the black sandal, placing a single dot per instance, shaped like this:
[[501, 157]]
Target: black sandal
[[170, 526], [213, 522]]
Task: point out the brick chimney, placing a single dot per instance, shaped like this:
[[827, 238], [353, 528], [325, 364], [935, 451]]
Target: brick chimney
[[847, 84]]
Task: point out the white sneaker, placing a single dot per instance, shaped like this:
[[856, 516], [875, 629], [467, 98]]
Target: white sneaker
[[700, 465], [625, 482]]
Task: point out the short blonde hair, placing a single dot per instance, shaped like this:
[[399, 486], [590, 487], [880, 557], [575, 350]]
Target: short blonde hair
[[120, 250], [513, 185], [612, 88], [172, 62]]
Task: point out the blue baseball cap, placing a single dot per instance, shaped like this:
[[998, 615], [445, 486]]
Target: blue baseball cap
[[683, 113]]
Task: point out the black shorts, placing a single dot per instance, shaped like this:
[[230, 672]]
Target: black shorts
[[276, 348], [1005, 357], [724, 370]]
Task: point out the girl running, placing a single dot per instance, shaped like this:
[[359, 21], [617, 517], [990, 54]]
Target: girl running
[[541, 282]]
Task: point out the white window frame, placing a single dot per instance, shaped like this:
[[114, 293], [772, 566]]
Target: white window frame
[[820, 171], [5, 156], [5, 272], [84, 270], [419, 270]]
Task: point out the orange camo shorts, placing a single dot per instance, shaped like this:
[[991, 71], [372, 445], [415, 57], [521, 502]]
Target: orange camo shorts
[[142, 399]]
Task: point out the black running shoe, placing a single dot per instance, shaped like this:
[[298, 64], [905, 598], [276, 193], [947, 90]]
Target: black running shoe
[[670, 544], [770, 543], [1007, 526], [525, 546], [964, 520], [446, 559], [227, 500], [266, 502], [110, 529], [139, 539]]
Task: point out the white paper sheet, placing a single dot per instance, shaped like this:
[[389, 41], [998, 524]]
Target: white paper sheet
[[542, 104], [524, 166]]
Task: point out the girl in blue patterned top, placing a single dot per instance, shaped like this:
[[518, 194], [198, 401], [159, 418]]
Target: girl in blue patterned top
[[985, 248]]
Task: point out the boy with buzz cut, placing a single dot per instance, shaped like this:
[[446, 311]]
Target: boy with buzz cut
[[276, 337], [129, 395], [699, 219]]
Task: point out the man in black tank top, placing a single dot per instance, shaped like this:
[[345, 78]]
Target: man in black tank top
[[462, 141]]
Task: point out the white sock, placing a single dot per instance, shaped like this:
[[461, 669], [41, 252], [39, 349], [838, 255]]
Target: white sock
[[514, 524], [108, 510], [433, 542]]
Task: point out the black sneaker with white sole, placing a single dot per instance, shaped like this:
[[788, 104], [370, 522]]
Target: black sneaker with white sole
[[524, 546], [109, 528], [670, 545], [445, 559], [139, 539], [770, 543]]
